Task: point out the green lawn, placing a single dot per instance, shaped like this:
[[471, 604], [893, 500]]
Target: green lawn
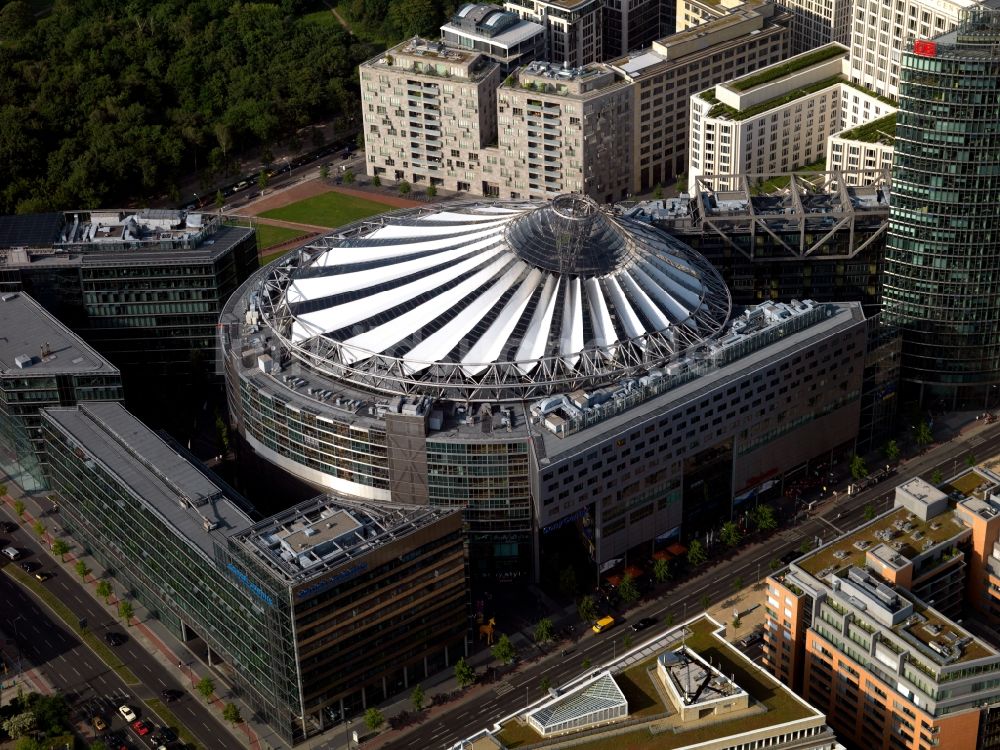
[[321, 18], [268, 236], [328, 210]]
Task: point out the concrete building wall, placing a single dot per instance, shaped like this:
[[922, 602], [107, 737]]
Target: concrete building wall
[[573, 32], [880, 30]]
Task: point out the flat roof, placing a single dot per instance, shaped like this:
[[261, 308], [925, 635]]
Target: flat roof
[[320, 534], [182, 492], [509, 37], [45, 346], [899, 530], [634, 672], [30, 229]]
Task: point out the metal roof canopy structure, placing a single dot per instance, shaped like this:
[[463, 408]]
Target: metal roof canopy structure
[[492, 301], [815, 205]]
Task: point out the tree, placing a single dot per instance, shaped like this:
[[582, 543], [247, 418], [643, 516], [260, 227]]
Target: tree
[[869, 512], [627, 640], [737, 583], [730, 534], [503, 650], [657, 191], [585, 664], [262, 181], [104, 590], [16, 19], [432, 191], [19, 509], [60, 547], [403, 187], [924, 437], [627, 589], [39, 528], [544, 632], [417, 698], [376, 180], [587, 608], [126, 612], [81, 569], [348, 177], [891, 450], [970, 460], [324, 172], [696, 553], [736, 622], [937, 477], [669, 619], [774, 564], [858, 468], [705, 601], [567, 581], [661, 570], [464, 674], [681, 184], [30, 743], [545, 683], [764, 518], [206, 687], [20, 724], [374, 719], [231, 713], [805, 546], [3, 490]]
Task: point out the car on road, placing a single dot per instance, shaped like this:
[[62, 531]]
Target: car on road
[[113, 638], [29, 567], [603, 624], [140, 727], [43, 575], [788, 557], [99, 723], [127, 713], [642, 624], [7, 527], [169, 696], [12, 553]]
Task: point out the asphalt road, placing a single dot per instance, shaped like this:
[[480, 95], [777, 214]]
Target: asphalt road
[[75, 670], [829, 519]]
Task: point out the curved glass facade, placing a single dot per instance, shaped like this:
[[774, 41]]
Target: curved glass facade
[[942, 281]]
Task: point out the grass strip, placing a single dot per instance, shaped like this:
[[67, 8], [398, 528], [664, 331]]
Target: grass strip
[[73, 623], [328, 210], [168, 719], [269, 236]]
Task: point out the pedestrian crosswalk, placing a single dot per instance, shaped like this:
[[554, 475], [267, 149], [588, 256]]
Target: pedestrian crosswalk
[[503, 688]]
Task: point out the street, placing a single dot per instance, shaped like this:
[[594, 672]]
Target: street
[[830, 519], [73, 669]]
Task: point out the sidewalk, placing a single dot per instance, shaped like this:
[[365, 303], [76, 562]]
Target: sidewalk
[[152, 635]]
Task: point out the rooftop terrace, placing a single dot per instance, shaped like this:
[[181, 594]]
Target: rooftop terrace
[[320, 534]]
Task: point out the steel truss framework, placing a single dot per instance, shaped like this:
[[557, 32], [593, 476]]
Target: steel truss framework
[[499, 381], [816, 206]]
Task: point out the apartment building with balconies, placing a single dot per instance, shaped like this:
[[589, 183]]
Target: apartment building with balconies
[[429, 111], [881, 627], [560, 131], [573, 31]]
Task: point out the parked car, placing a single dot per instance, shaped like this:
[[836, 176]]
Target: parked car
[[43, 575], [114, 639], [28, 567], [750, 638], [127, 713], [99, 723], [12, 553], [140, 727]]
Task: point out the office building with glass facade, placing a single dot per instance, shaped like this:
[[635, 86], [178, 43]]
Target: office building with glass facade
[[143, 287], [42, 363], [543, 366], [290, 609], [942, 279]]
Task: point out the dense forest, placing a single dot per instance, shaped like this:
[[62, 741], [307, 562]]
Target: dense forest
[[102, 101]]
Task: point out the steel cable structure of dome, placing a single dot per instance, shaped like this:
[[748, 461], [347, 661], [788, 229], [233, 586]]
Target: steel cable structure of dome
[[492, 301]]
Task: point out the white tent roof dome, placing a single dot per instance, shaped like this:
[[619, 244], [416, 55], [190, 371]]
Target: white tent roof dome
[[493, 300]]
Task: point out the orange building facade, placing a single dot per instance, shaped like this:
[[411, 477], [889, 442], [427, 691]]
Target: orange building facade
[[880, 628]]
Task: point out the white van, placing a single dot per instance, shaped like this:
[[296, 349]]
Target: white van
[[12, 552]]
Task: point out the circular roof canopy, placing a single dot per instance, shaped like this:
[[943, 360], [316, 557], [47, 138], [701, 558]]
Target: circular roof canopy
[[499, 301]]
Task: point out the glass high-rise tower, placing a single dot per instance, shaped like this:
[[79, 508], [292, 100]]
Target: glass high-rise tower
[[942, 279]]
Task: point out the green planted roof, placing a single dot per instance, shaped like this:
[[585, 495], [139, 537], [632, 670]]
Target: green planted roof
[[882, 130], [774, 72]]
